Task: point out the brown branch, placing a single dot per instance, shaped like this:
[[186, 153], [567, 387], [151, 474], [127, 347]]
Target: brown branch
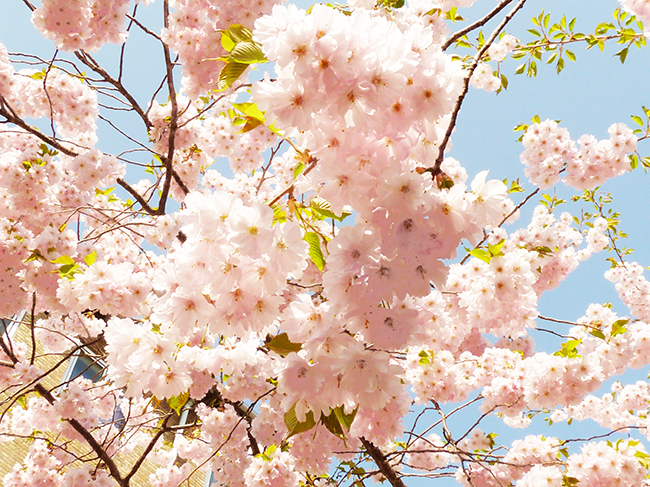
[[173, 123], [25, 387], [12, 118], [120, 131], [384, 467], [88, 60], [479, 23], [31, 326], [152, 443], [180, 182], [505, 219], [312, 165], [435, 169], [90, 439], [138, 198], [143, 27], [29, 5], [554, 320]]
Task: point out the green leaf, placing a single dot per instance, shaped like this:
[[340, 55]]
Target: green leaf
[[267, 454], [337, 422], [495, 250], [598, 334], [622, 54], [248, 52], [391, 3], [64, 259], [250, 110], [346, 420], [251, 124], [322, 208], [177, 402], [91, 258], [637, 119], [569, 481], [294, 426], [104, 192], [514, 185], [618, 327], [333, 425], [570, 55], [425, 358], [481, 254], [35, 255], [281, 345], [315, 252], [543, 250], [239, 33], [569, 349], [38, 75], [644, 459], [226, 42], [230, 73], [279, 213], [298, 170]]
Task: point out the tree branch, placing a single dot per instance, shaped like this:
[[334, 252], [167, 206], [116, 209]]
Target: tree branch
[[435, 169], [384, 467], [12, 118], [90, 439], [138, 198], [88, 60], [31, 326], [505, 219], [479, 23], [173, 123], [152, 443]]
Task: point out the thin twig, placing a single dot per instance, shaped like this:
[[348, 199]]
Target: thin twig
[[435, 169], [88, 60], [479, 23], [31, 326], [503, 221]]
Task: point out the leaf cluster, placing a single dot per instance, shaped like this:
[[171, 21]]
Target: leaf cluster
[[243, 51], [553, 39], [337, 422]]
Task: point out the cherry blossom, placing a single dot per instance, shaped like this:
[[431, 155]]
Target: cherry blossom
[[286, 278]]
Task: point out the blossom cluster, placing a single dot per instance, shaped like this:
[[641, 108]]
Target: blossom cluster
[[82, 24], [640, 8], [633, 288], [194, 32], [549, 150], [291, 339]]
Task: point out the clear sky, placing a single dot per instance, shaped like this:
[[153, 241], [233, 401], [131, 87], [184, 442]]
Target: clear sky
[[588, 96]]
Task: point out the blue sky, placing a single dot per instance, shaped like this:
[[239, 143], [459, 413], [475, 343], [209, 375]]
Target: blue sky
[[588, 96]]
